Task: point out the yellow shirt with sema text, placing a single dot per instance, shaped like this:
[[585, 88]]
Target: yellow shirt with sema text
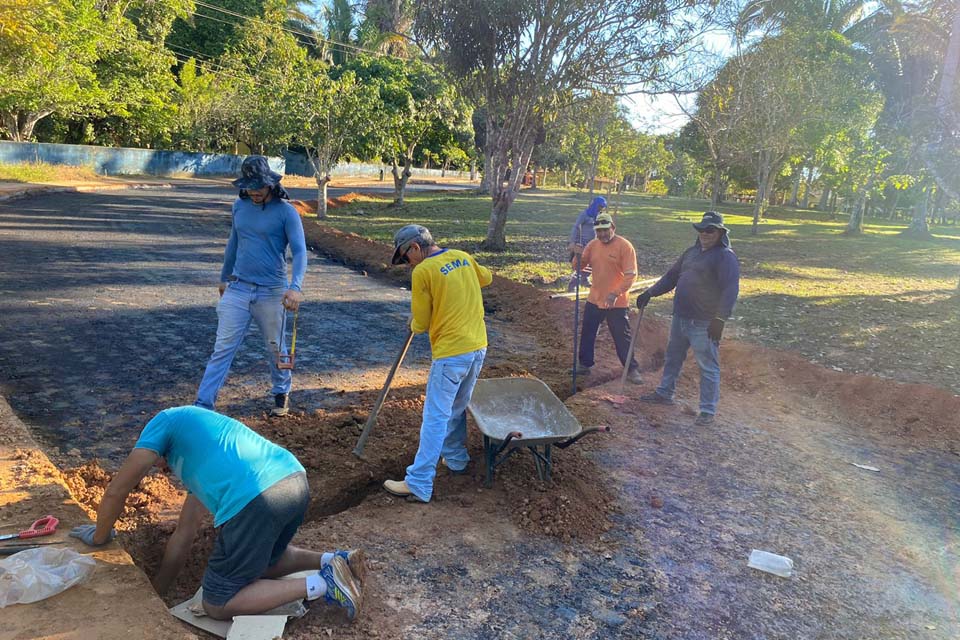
[[446, 302]]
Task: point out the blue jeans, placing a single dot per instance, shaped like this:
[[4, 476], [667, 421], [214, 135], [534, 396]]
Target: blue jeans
[[685, 333], [444, 428], [241, 304]]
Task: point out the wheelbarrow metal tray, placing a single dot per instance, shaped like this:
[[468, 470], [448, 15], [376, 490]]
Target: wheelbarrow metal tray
[[522, 413], [501, 406]]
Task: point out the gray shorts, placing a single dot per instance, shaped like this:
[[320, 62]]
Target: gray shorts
[[253, 540]]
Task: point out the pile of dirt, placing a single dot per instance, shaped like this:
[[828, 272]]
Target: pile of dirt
[[878, 405], [309, 207], [573, 506], [155, 499]]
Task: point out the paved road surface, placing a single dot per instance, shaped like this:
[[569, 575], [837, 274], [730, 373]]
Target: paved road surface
[[107, 315]]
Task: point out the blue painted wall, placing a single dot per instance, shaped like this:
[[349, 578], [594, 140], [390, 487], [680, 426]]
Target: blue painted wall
[[112, 161]]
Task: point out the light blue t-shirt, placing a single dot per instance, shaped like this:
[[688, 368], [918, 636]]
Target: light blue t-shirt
[[220, 460]]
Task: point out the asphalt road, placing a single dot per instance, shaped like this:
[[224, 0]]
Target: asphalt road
[[107, 315]]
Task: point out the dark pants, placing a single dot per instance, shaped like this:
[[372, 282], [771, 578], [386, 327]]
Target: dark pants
[[618, 321]]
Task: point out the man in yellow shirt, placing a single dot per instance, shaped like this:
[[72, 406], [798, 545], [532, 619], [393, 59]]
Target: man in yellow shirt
[[446, 303], [614, 263]]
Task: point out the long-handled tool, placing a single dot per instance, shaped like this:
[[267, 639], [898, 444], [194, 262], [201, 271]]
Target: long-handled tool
[[285, 360], [372, 420], [633, 341], [42, 527], [576, 327]]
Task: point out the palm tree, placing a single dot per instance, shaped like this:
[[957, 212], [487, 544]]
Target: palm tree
[[387, 26], [340, 27], [839, 16]]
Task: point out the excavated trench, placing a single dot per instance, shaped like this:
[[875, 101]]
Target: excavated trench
[[324, 438], [693, 500]]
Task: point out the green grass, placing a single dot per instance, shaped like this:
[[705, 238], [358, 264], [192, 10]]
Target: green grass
[[877, 303], [40, 172]]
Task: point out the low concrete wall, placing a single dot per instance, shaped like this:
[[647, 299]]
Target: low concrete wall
[[115, 161], [111, 161]]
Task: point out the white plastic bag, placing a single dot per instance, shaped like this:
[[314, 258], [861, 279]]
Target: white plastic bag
[[37, 574]]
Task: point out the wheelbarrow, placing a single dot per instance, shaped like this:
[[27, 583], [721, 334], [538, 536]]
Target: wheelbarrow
[[522, 413]]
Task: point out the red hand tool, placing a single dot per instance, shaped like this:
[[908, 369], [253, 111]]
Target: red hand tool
[[42, 527]]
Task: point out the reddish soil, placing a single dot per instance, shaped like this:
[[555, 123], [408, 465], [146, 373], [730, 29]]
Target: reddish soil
[[653, 477], [308, 208]]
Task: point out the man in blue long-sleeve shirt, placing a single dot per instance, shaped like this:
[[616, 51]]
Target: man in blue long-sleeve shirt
[[253, 281], [707, 280]]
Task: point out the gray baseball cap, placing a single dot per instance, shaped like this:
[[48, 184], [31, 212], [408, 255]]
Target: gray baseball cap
[[403, 238]]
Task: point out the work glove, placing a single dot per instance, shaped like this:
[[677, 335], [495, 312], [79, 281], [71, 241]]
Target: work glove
[[575, 248], [85, 533], [612, 299], [643, 299], [715, 330]]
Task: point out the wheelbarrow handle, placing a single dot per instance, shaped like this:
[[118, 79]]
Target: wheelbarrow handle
[[585, 432], [513, 435]]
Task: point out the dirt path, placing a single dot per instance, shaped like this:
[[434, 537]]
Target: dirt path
[[643, 533]]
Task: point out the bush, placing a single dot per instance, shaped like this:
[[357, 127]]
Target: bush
[[656, 187]]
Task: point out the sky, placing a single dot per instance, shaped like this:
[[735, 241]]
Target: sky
[[661, 113]]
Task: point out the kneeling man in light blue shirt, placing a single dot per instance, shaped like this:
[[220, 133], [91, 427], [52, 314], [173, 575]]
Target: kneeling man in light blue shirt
[[257, 492]]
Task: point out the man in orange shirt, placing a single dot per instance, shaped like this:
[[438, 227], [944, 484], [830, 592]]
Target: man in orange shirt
[[614, 263]]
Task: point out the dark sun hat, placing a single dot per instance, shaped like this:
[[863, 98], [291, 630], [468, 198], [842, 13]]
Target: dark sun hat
[[255, 173], [710, 219]]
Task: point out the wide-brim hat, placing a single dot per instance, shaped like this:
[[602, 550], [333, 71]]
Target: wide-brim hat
[[710, 219], [256, 174]]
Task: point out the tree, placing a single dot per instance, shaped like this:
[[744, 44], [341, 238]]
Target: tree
[[386, 26], [413, 95], [255, 74], [340, 27], [47, 66], [798, 87], [323, 116], [515, 55]]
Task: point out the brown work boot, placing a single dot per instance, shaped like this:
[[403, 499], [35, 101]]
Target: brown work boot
[[633, 376], [400, 489]]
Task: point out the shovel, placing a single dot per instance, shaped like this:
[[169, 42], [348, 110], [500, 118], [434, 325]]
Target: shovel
[[372, 420], [633, 342]]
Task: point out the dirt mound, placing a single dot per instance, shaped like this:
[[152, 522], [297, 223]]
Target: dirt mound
[[878, 405], [309, 207]]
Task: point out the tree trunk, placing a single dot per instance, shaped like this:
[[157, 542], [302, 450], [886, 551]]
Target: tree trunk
[[763, 175], [855, 224], [795, 194], [322, 195], [510, 149], [486, 180], [566, 180], [891, 210], [473, 169], [716, 195], [918, 224], [805, 203], [400, 181], [533, 179], [824, 199], [937, 214]]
